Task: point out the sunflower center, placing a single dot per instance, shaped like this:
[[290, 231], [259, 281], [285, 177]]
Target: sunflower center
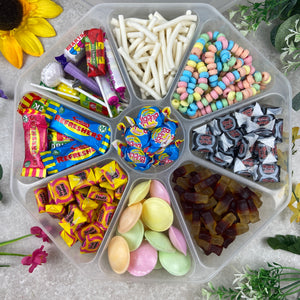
[[11, 14]]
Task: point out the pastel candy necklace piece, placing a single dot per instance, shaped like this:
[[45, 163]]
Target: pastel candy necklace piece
[[218, 73]]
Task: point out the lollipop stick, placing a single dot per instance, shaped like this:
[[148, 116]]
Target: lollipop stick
[[98, 80], [54, 91], [84, 92]]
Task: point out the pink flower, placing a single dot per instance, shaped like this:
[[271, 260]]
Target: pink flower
[[38, 257], [38, 232]]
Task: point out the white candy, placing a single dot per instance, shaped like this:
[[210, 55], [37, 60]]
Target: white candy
[[152, 49]]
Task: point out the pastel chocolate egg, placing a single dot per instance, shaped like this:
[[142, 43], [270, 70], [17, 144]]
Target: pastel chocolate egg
[[134, 236], [142, 260], [139, 192], [177, 239], [157, 214], [118, 254], [129, 217], [157, 189], [176, 263], [159, 241]]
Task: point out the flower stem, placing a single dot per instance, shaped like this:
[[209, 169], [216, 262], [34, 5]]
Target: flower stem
[[14, 240], [13, 254], [4, 266]]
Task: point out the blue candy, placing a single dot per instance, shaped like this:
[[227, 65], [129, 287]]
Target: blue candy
[[194, 58], [219, 66], [204, 75], [202, 41], [193, 80], [225, 56], [222, 85], [212, 78], [215, 35], [230, 45], [236, 74], [184, 78], [218, 45], [191, 85], [219, 104], [187, 73]]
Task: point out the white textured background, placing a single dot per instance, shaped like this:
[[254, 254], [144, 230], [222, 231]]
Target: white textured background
[[59, 279]]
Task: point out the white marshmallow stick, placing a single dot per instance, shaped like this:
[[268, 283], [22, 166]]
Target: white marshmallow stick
[[123, 33], [154, 75], [160, 68], [174, 22], [130, 62], [143, 29], [170, 46], [144, 86]]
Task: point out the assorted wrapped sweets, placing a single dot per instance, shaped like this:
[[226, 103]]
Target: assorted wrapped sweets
[[218, 73], [146, 238], [56, 137], [150, 139], [217, 208], [84, 203], [87, 73], [244, 141]]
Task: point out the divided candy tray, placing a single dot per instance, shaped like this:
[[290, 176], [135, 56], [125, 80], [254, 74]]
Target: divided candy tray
[[274, 196]]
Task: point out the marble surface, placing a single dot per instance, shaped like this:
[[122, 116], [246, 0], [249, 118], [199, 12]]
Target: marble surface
[[59, 279]]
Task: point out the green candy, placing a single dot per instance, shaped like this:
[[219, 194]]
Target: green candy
[[239, 96]]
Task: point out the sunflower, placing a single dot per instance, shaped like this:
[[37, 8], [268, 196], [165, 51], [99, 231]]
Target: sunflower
[[21, 22]]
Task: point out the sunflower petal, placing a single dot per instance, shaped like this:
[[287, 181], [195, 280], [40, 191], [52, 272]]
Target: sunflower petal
[[40, 27], [11, 50], [45, 8], [29, 43]]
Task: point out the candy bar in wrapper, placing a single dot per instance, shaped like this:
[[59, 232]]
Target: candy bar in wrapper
[[65, 156], [79, 128], [35, 136], [94, 48], [75, 51]]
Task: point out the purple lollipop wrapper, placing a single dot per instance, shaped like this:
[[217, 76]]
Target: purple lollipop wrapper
[[72, 70]]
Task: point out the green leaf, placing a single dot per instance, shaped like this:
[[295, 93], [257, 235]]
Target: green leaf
[[273, 34], [296, 102], [287, 11], [287, 242], [283, 31], [1, 172]]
